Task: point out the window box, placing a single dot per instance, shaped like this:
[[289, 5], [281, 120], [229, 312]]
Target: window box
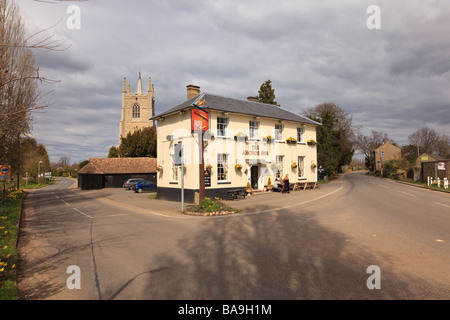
[[268, 139], [291, 141], [311, 143]]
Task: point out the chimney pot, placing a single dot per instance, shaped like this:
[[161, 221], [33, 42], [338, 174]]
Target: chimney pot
[[192, 91], [254, 99]]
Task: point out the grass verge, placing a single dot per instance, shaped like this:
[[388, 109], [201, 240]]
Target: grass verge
[[10, 209]]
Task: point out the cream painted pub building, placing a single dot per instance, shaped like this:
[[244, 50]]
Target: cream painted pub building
[[247, 142]]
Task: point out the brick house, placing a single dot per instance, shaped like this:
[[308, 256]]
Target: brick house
[[386, 152]]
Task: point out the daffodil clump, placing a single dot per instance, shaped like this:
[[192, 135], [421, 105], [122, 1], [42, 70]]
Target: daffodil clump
[[10, 209]]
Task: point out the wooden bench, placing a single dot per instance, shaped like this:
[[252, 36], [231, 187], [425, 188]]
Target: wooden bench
[[235, 193], [305, 185]]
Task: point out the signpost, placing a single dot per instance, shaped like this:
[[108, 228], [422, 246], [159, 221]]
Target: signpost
[[199, 125], [5, 171], [5, 174], [179, 161]]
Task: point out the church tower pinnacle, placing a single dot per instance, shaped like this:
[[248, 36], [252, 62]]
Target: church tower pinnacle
[[137, 108], [139, 86]]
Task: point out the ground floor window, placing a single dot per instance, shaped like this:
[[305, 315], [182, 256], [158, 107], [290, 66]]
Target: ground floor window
[[174, 172], [301, 167], [222, 167], [279, 167]]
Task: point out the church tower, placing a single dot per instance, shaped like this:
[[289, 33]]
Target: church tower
[[137, 108]]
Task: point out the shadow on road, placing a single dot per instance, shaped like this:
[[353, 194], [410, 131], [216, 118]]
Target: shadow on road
[[283, 255]]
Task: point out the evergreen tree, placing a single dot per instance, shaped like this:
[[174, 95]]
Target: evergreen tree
[[140, 143], [266, 93], [113, 152], [335, 137]]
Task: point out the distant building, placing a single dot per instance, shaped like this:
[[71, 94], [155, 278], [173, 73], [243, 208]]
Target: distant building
[[424, 157], [137, 108], [435, 169], [113, 172], [386, 152]]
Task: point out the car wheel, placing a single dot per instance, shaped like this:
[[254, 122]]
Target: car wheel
[[139, 190]]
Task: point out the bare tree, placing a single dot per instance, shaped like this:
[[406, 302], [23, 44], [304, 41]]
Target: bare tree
[[368, 144], [429, 141], [19, 75]]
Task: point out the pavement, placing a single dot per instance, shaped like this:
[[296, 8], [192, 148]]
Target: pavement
[[259, 202]]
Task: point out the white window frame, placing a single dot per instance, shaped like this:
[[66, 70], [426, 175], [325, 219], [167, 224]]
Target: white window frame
[[301, 167], [279, 170], [278, 132], [253, 127], [300, 135], [174, 170], [224, 126], [222, 167]]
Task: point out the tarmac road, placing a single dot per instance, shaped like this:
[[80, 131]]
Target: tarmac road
[[310, 244]]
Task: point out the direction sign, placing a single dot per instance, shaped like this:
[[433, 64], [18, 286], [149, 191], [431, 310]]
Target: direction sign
[[5, 171]]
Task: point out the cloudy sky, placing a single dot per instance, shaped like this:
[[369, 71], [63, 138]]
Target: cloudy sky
[[394, 79]]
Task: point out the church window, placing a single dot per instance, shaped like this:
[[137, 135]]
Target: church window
[[136, 111]]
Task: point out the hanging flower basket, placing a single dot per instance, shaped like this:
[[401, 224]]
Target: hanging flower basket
[[208, 168], [159, 168], [294, 165], [238, 167], [311, 142], [269, 139], [291, 141], [313, 166]]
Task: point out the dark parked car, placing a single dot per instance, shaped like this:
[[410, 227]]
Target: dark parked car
[[131, 182], [145, 185]]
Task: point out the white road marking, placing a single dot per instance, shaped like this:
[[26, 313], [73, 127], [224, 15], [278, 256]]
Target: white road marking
[[384, 186], [65, 202], [441, 204], [113, 215], [84, 214], [408, 194], [294, 205]]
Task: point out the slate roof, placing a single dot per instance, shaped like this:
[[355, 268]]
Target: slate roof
[[119, 166], [218, 103]]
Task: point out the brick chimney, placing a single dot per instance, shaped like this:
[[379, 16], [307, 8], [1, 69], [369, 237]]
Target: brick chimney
[[192, 91], [254, 99]]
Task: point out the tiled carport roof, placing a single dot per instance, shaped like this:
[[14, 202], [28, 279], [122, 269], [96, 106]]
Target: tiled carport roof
[[119, 166]]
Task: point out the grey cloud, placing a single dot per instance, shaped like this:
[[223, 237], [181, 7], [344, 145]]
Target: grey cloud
[[390, 80]]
